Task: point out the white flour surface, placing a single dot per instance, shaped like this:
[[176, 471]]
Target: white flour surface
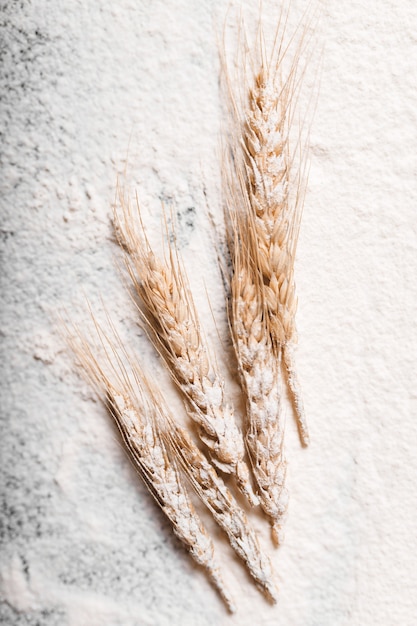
[[93, 90]]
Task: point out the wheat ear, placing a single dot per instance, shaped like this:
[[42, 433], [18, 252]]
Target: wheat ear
[[137, 416], [224, 508], [259, 367], [276, 207], [171, 314]]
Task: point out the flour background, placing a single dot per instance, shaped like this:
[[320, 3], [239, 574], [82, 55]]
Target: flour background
[[87, 87]]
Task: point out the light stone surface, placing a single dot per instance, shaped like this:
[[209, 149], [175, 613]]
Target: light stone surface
[[87, 86]]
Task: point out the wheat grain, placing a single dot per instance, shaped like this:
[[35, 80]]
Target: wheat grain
[[137, 416], [171, 314], [225, 510]]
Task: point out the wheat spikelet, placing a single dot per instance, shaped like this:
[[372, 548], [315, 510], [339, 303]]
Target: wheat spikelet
[[225, 510], [137, 415], [170, 312]]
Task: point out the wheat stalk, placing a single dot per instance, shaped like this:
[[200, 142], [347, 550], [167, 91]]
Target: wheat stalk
[[138, 415], [225, 510], [171, 314]]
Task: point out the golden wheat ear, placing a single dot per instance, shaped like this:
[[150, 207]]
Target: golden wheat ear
[[264, 158], [259, 369], [123, 388], [276, 219], [171, 318]]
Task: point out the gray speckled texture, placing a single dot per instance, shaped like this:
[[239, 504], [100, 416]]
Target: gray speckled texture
[[82, 543]]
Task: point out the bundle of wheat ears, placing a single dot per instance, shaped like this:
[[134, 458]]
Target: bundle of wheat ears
[[262, 206]]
